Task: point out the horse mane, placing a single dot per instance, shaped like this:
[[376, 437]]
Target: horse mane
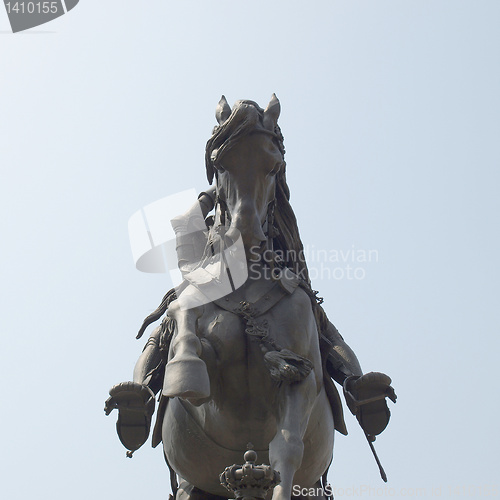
[[287, 244]]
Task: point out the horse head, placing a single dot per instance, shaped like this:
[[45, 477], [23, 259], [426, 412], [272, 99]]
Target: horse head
[[245, 155]]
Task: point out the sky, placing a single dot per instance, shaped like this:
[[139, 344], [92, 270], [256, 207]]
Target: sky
[[390, 112]]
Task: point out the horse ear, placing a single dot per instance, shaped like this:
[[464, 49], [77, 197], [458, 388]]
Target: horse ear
[[222, 111], [272, 113]]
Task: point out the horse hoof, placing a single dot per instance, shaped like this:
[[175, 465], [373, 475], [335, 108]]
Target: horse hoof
[[187, 379]]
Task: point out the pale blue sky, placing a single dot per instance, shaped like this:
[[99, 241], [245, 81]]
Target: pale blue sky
[[390, 112]]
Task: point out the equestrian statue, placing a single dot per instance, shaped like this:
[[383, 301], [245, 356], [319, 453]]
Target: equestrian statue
[[244, 352]]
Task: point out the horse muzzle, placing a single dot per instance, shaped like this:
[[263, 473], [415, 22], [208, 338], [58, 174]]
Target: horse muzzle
[[250, 232]]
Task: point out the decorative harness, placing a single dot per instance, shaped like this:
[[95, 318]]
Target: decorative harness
[[284, 365]]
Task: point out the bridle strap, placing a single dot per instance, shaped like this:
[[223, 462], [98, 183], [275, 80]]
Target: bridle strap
[[229, 142]]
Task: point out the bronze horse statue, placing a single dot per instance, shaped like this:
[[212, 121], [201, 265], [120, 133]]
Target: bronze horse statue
[[255, 363]]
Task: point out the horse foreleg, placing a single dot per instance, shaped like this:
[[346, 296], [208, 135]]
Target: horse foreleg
[[287, 448], [186, 374]]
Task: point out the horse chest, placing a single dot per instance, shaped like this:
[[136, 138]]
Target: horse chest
[[238, 362], [226, 334]]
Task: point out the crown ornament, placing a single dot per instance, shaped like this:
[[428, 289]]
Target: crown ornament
[[250, 481]]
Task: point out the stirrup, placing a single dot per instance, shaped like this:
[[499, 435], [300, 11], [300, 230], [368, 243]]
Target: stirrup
[[135, 403], [365, 397]]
